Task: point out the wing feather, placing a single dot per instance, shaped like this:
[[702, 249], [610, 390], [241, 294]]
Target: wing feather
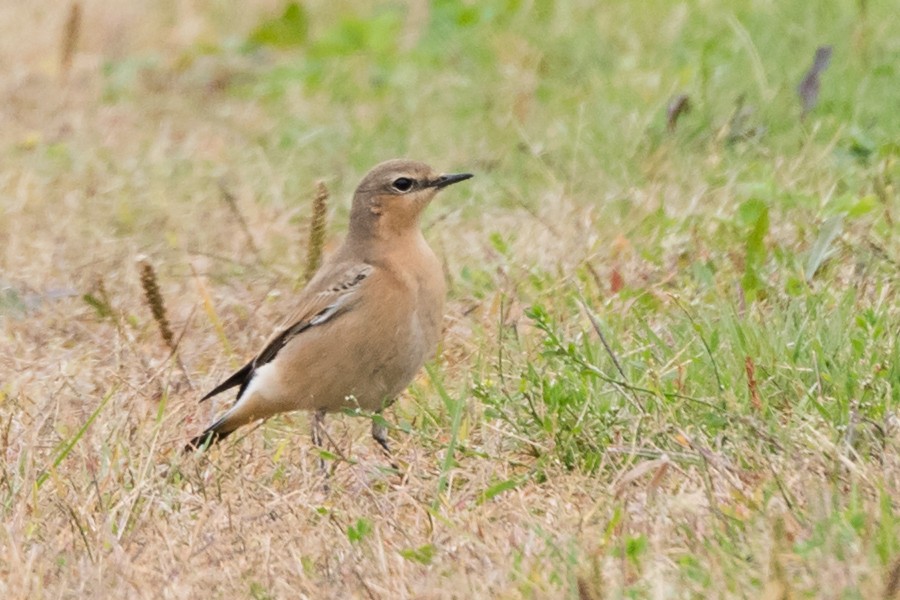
[[339, 294]]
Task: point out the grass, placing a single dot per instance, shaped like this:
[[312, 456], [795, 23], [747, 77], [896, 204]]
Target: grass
[[670, 365]]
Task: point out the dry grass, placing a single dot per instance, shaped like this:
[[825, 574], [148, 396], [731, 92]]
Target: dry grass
[[118, 151]]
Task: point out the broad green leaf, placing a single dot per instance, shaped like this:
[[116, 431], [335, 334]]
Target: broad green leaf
[[358, 532], [749, 212], [290, 29], [756, 248], [422, 554], [497, 489], [102, 308]]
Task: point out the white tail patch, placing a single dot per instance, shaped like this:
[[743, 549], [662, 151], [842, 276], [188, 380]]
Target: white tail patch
[[263, 382]]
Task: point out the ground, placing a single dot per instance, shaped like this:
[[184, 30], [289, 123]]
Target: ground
[[670, 366]]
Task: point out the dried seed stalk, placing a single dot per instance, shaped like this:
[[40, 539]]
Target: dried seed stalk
[[317, 231], [155, 301], [231, 201], [70, 36]]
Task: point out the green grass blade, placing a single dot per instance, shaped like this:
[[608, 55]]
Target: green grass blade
[[71, 443], [455, 410]]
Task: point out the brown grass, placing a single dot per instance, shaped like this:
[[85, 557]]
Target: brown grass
[[86, 187], [123, 514]]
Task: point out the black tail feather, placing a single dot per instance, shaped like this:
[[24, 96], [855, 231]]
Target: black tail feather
[[206, 439], [239, 378], [212, 434]]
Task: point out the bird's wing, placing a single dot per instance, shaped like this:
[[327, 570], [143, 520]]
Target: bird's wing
[[335, 296]]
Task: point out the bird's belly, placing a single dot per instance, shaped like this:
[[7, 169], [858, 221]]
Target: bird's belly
[[357, 372], [388, 367]]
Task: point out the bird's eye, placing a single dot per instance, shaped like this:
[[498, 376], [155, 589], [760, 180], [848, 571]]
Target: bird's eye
[[403, 184]]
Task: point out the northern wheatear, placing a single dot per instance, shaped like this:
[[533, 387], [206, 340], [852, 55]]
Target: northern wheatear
[[364, 325]]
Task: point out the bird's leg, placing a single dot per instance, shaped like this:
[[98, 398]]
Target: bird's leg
[[379, 432], [318, 426]]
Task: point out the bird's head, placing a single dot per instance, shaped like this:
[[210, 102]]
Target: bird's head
[[391, 197]]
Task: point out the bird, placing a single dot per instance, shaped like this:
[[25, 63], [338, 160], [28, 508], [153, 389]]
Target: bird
[[363, 326]]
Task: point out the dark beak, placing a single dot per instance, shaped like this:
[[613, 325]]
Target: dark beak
[[445, 180]]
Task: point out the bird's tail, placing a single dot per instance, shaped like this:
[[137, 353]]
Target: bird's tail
[[249, 407], [209, 437]]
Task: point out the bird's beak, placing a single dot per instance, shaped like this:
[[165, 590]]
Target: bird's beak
[[445, 180]]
